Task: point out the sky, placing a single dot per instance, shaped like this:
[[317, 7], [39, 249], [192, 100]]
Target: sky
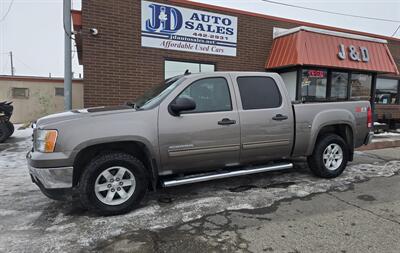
[[33, 29]]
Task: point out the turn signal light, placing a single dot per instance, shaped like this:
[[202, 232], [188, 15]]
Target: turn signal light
[[46, 140]]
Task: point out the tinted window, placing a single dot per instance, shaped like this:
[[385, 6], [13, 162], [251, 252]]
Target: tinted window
[[259, 92], [210, 95]]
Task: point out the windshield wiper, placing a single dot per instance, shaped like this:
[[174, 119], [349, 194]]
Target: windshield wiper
[[133, 105]]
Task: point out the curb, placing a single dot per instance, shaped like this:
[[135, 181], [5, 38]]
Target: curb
[[380, 145]]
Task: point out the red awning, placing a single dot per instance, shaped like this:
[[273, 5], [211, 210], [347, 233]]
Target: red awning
[[316, 47], [77, 22], [77, 19]]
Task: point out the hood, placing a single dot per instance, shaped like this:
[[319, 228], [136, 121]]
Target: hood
[[81, 113]]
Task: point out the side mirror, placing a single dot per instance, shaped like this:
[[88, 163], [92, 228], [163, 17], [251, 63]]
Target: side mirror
[[182, 104]]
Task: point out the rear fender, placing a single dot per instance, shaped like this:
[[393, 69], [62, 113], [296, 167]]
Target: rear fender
[[330, 118]]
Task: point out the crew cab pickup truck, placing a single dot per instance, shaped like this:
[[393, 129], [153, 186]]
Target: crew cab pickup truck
[[189, 129]]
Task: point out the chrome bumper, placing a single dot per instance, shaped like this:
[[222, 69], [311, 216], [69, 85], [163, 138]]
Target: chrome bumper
[[52, 178], [369, 138]]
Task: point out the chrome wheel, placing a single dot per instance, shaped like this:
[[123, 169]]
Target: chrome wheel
[[115, 185], [333, 156]]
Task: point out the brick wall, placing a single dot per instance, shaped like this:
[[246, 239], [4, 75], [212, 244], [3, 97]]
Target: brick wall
[[118, 69]]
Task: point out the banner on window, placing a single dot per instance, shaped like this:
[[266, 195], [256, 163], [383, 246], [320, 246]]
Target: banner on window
[[183, 29]]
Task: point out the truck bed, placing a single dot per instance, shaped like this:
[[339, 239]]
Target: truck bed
[[308, 118]]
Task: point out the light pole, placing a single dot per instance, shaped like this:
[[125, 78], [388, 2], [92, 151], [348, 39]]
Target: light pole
[[67, 56]]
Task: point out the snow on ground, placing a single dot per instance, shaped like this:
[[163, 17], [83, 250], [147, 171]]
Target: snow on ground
[[29, 222], [387, 134]]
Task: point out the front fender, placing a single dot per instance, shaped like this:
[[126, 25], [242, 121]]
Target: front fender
[[113, 139]]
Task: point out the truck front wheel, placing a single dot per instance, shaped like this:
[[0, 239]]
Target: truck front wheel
[[330, 156], [113, 183]]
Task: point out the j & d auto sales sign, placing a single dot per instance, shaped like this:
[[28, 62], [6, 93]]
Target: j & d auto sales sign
[[183, 29]]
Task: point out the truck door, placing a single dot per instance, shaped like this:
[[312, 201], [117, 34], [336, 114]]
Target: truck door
[[266, 117], [207, 137]]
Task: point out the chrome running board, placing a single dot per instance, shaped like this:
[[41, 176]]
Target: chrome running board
[[219, 175]]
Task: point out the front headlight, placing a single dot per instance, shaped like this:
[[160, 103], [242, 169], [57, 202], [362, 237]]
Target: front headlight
[[46, 140]]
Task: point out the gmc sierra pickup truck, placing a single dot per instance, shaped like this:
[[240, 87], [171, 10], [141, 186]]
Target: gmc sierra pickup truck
[[189, 129]]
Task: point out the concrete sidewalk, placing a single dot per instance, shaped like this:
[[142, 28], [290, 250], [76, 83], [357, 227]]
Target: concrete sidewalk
[[380, 141]]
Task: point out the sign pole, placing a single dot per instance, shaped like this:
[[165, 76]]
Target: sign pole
[[67, 56]]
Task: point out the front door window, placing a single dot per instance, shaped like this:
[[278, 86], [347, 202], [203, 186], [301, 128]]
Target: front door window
[[210, 95]]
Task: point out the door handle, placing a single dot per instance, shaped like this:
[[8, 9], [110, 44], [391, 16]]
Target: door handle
[[226, 121], [280, 117]]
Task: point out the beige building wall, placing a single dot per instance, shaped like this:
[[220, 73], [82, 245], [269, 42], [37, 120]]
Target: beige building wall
[[41, 100]]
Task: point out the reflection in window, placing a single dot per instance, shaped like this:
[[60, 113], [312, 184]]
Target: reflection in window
[[339, 85], [386, 91], [313, 84], [210, 95], [360, 86], [175, 68]]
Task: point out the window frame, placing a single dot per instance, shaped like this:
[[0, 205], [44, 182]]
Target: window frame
[[329, 91], [398, 90], [26, 96], [276, 85], [299, 97], [213, 77], [300, 80], [188, 61], [372, 88], [55, 92]]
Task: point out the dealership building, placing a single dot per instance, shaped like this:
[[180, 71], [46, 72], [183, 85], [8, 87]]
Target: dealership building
[[127, 47]]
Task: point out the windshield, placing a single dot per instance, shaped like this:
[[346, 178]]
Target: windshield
[[154, 96]]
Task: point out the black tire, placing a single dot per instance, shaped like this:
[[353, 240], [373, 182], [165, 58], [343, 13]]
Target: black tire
[[4, 132], [11, 128], [316, 160], [100, 164]]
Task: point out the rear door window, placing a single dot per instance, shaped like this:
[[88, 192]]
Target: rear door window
[[259, 92]]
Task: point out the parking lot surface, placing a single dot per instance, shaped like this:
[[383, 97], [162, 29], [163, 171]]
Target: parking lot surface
[[290, 211]]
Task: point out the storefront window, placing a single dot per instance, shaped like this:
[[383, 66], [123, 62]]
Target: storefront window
[[360, 86], [174, 68], [386, 91], [313, 84], [339, 85]]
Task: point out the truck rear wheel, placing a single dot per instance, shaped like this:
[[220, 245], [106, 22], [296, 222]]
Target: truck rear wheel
[[330, 156], [113, 183]]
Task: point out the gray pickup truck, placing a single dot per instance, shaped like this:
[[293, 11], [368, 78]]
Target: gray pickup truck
[[192, 128]]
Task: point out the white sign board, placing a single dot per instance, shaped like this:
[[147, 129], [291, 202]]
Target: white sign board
[[183, 29]]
